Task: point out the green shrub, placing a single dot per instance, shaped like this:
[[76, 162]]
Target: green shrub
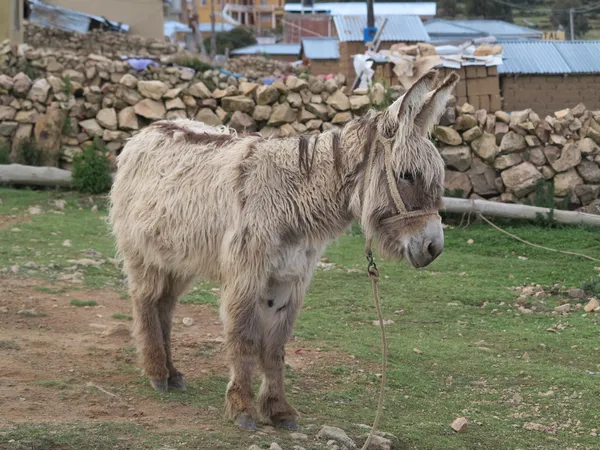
[[193, 63], [237, 38], [591, 286], [67, 86], [91, 169], [4, 152], [28, 153]]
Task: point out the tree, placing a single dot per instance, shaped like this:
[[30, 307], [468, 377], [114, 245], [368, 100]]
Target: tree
[[560, 16], [488, 9], [447, 8], [237, 38]]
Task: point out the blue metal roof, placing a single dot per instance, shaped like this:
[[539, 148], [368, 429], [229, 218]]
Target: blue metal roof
[[321, 48], [450, 28], [426, 9], [269, 49], [550, 57], [446, 30], [399, 28], [498, 28]]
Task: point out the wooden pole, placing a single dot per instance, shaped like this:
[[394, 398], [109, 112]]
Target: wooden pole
[[213, 33]]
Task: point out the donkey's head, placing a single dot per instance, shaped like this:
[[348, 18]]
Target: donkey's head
[[404, 174]]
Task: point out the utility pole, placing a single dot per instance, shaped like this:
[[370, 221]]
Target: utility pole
[[572, 23], [370, 14], [213, 33]]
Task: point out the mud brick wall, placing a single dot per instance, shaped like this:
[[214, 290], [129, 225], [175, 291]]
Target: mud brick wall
[[546, 94]]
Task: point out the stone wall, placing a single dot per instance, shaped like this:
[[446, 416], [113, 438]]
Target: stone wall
[[548, 93]]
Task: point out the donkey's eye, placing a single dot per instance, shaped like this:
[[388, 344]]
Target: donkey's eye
[[408, 177]]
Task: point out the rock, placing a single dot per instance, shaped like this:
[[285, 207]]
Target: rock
[[465, 122], [379, 442], [472, 134], [207, 116], [275, 446], [447, 135], [119, 329], [91, 128], [254, 447], [188, 321], [128, 120], [457, 184], [294, 99], [8, 128], [150, 109], [331, 85], [521, 179], [172, 94], [39, 91], [459, 425], [130, 96], [536, 156], [248, 88], [67, 243], [342, 117], [589, 171], [336, 434], [565, 182], [532, 141], [485, 147], [6, 83], [506, 161], [175, 103], [282, 113], [129, 81], [267, 95], [242, 122], [512, 142], [318, 109], [458, 158], [587, 193], [299, 437], [588, 147], [23, 133], [262, 113], [47, 132], [21, 85], [339, 101], [378, 94], [360, 102], [152, 89], [569, 158], [7, 113], [576, 293], [482, 178], [199, 90], [466, 108], [547, 172], [592, 305], [563, 309], [29, 116], [238, 103], [107, 118], [557, 139], [502, 116]]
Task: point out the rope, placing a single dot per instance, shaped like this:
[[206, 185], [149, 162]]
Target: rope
[[374, 275], [535, 245]]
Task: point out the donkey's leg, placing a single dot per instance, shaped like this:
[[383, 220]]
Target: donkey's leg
[[280, 316], [242, 340], [166, 307], [146, 287]]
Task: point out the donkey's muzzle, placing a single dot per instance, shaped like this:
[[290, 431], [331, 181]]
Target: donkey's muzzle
[[432, 250]]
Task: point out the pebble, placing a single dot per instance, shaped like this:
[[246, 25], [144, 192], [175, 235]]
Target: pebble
[[60, 204], [337, 435], [470, 242], [67, 243], [576, 293], [299, 436], [275, 446], [188, 321], [563, 309], [33, 210], [459, 425], [592, 305]]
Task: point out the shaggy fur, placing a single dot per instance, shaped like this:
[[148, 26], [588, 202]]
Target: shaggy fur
[[255, 215]]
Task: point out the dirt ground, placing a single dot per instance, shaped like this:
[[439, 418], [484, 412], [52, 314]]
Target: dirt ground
[[62, 363]]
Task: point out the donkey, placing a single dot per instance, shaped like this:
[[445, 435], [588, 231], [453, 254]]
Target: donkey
[[255, 214]]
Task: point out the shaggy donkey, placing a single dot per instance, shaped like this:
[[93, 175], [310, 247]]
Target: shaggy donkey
[[255, 215]]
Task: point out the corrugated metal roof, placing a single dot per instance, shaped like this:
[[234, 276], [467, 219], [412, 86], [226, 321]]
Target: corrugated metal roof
[[443, 27], [426, 9], [399, 28], [49, 15], [550, 57], [206, 27], [321, 48], [498, 28], [269, 49]]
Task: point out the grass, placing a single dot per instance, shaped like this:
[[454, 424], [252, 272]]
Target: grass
[[482, 358], [122, 317], [84, 303]]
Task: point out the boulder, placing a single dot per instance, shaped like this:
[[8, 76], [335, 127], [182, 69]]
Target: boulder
[[199, 90], [207, 116], [547, 172], [457, 184], [294, 99], [39, 91], [482, 178], [262, 113], [536, 156], [500, 130], [570, 157], [282, 113], [587, 147], [318, 109], [485, 147], [152, 89], [305, 116], [505, 161], [378, 94], [242, 122], [91, 128], [472, 134], [128, 119], [238, 103], [587, 193], [130, 96], [129, 81], [23, 133], [521, 179], [267, 95], [589, 171], [565, 182], [48, 132], [339, 101], [316, 85], [458, 158], [465, 122], [331, 85], [21, 85], [512, 142], [175, 103], [466, 108], [502, 116], [447, 135], [107, 118], [151, 109]]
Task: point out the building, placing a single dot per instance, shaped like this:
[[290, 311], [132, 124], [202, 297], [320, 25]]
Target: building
[[458, 31], [143, 17], [258, 14], [322, 55], [11, 20], [317, 20], [548, 76], [281, 52]]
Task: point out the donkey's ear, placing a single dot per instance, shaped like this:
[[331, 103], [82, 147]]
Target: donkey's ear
[[435, 104], [403, 111]]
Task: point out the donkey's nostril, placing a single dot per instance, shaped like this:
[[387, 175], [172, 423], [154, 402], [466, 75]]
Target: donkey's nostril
[[434, 249]]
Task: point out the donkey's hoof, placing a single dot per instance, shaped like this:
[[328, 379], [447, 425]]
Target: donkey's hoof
[[176, 383], [160, 385], [288, 424], [246, 422]]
